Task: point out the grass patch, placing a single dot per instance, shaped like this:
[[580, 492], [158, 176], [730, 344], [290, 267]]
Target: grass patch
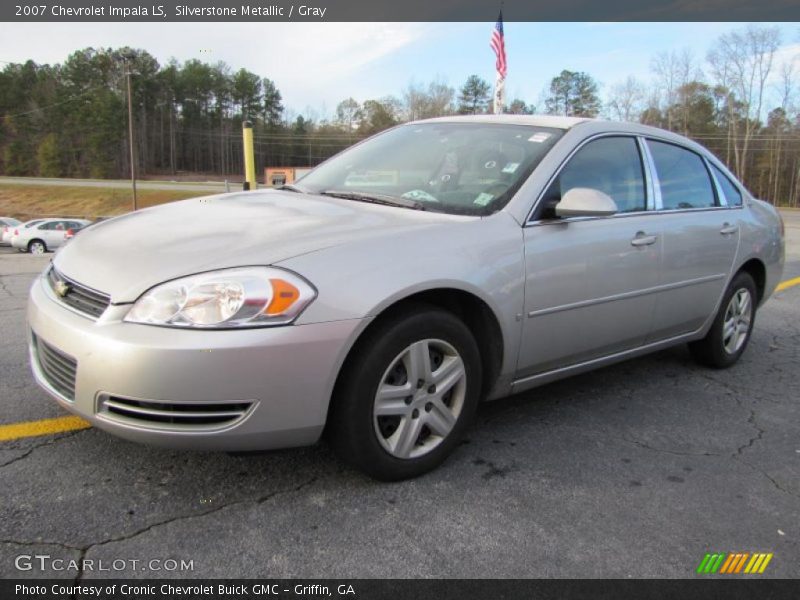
[[31, 201]]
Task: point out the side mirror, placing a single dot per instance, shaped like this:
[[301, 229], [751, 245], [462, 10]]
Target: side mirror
[[586, 202]]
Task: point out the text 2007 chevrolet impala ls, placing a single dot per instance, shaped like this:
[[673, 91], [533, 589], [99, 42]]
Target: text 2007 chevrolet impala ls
[[378, 300]]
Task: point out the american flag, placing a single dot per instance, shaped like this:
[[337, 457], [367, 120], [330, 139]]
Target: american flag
[[498, 44]]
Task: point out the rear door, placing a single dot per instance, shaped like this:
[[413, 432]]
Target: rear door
[[49, 232], [589, 280], [701, 236]]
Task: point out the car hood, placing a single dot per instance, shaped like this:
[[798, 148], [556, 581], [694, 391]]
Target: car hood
[[127, 255]]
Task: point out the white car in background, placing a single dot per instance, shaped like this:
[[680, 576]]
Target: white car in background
[[14, 231], [7, 225], [42, 235]]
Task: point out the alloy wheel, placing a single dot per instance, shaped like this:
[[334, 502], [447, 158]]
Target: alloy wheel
[[419, 398], [736, 324]]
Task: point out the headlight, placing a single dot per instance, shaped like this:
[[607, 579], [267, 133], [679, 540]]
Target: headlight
[[246, 297]]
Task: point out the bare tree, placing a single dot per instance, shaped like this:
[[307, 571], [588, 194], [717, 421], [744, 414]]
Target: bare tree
[[672, 71], [787, 86], [434, 101], [741, 62], [627, 99]]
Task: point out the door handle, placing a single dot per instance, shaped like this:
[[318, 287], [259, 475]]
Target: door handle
[[728, 229], [642, 239]]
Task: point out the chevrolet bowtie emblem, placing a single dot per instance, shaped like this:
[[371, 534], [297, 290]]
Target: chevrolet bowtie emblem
[[61, 288]]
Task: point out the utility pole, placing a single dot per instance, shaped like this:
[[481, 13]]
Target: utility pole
[[130, 133]]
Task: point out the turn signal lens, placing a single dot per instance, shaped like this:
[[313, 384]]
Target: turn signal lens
[[284, 294]]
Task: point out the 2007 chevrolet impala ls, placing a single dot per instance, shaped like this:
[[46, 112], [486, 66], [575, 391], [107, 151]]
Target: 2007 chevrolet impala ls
[[379, 299]]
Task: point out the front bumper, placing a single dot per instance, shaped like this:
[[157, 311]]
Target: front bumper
[[284, 374]]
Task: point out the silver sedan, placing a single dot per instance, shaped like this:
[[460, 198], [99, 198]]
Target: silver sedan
[[43, 235], [395, 286]]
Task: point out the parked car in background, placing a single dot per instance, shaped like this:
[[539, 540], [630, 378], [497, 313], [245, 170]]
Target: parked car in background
[[43, 235], [7, 225], [14, 231], [71, 233], [380, 298]]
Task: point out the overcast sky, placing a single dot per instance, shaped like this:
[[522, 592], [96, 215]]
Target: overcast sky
[[317, 65]]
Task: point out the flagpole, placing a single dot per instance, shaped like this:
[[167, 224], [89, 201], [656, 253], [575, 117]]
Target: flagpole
[[499, 94]]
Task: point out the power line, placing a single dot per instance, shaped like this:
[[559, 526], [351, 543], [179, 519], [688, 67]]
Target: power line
[[48, 106]]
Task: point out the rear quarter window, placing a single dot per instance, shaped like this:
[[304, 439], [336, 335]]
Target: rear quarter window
[[731, 192]]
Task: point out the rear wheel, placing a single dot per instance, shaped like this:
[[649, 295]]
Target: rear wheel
[[729, 334], [37, 247], [407, 395]]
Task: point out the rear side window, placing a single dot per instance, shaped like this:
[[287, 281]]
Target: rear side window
[[732, 194], [682, 177], [610, 164]]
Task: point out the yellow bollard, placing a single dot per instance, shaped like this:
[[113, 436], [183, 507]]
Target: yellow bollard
[[249, 156]]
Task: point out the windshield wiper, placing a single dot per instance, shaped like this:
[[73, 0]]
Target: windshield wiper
[[383, 199], [288, 187]]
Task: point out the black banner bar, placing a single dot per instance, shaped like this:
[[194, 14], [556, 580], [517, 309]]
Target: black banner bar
[[396, 10], [734, 588]]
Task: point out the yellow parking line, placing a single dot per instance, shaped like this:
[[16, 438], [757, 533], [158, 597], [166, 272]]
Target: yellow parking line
[[785, 285], [43, 427]]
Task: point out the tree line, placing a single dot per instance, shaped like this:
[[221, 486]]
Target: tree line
[[70, 119]]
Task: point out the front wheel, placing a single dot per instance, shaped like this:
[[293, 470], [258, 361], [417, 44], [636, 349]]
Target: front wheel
[[407, 395], [729, 334], [37, 247]]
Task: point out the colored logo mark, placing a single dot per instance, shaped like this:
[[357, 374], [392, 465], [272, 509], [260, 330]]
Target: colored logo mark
[[734, 563]]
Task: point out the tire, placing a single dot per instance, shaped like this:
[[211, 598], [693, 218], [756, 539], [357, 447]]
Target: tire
[[730, 333], [37, 247], [415, 432]]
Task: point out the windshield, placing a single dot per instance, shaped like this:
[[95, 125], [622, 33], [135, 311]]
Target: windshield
[[458, 168]]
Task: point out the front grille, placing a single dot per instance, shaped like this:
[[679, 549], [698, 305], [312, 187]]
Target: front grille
[[174, 413], [83, 299], [58, 368]]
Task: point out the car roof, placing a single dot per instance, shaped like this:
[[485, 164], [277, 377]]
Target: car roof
[[50, 219], [587, 126], [531, 120]]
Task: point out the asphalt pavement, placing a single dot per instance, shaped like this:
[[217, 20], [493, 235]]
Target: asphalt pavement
[[635, 470]]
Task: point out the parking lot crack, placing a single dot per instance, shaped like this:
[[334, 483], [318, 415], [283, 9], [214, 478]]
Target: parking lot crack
[[29, 543], [123, 538], [759, 434], [641, 444], [32, 449], [4, 288], [771, 479]]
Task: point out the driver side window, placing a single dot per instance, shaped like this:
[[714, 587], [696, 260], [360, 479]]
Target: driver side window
[[609, 164]]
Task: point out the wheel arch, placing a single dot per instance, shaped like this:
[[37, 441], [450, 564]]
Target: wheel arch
[[758, 271], [474, 311]]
